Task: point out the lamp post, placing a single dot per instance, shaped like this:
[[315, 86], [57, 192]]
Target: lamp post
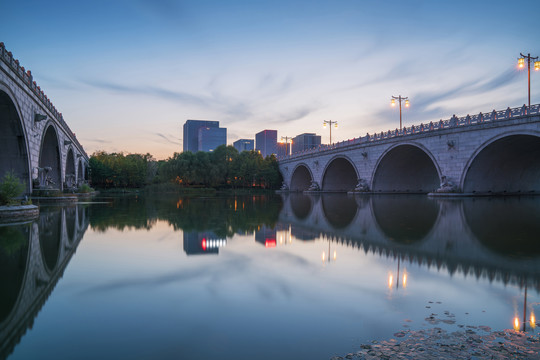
[[288, 149], [330, 122], [521, 65], [393, 103]]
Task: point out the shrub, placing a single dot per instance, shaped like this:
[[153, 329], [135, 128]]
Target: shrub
[[10, 188], [85, 188]]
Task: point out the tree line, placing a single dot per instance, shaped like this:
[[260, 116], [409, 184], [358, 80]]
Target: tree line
[[224, 167]]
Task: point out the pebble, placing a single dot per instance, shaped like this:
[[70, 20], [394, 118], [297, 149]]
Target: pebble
[[437, 343]]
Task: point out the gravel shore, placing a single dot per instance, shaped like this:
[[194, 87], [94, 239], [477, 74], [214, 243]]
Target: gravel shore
[[436, 343]]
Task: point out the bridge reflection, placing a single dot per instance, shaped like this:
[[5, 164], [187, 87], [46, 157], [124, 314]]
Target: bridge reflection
[[33, 257], [493, 238]]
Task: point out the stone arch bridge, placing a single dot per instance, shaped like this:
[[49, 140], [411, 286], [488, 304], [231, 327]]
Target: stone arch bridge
[[35, 141], [492, 153], [33, 263]]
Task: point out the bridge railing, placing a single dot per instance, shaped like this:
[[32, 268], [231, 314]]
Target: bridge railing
[[453, 122], [27, 79]]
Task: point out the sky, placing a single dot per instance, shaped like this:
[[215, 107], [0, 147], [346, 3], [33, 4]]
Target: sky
[[127, 74]]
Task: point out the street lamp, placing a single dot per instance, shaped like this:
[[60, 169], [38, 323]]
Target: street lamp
[[521, 65], [330, 122], [288, 149], [393, 103]]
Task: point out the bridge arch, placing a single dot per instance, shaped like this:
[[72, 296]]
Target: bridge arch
[[13, 139], [301, 205], [80, 175], [339, 209], [301, 178], [50, 237], [405, 219], [506, 164], [340, 175], [50, 155], [70, 169], [14, 267], [406, 168]]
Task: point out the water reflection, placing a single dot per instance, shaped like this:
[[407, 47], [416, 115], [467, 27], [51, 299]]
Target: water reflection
[[33, 257], [405, 219], [14, 242], [339, 209], [508, 226]]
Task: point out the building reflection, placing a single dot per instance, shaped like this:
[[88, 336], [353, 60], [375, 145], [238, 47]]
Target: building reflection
[[266, 236], [33, 257], [201, 243]]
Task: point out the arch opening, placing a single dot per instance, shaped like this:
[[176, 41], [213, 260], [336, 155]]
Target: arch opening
[[50, 236], [340, 176], [301, 205], [70, 170], [14, 243], [339, 209], [406, 169], [71, 222], [49, 161], [80, 179], [506, 166], [508, 226], [301, 179], [13, 146], [405, 219]]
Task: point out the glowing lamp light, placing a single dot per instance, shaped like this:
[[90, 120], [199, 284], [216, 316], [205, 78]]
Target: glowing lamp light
[[324, 125], [393, 103], [335, 125], [390, 281], [521, 63], [533, 321], [536, 65], [406, 103], [404, 280], [270, 243], [516, 323], [203, 244], [323, 256]]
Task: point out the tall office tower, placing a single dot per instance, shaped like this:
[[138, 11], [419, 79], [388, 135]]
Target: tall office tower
[[305, 141], [244, 145], [266, 142], [191, 133], [211, 137]]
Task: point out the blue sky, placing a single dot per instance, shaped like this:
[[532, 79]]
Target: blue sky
[[127, 74]]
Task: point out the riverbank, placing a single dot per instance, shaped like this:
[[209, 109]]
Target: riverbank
[[473, 343]]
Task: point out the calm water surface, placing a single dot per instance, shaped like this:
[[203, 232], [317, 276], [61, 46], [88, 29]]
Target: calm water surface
[[261, 277]]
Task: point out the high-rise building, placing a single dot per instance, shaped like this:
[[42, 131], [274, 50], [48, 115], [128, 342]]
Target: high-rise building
[[211, 137], [283, 149], [305, 141], [266, 142], [192, 134], [244, 145]]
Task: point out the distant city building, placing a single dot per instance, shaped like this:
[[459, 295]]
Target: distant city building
[[266, 142], [192, 135], [244, 145], [198, 243], [305, 141], [283, 149], [266, 236], [211, 137]]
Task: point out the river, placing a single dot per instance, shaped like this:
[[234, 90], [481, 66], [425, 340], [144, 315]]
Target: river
[[262, 276]]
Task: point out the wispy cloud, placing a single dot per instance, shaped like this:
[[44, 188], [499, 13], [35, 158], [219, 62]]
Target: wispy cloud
[[168, 138]]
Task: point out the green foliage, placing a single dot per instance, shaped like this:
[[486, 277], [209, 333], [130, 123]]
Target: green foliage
[[10, 188], [119, 170], [222, 168], [223, 215], [84, 189]]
